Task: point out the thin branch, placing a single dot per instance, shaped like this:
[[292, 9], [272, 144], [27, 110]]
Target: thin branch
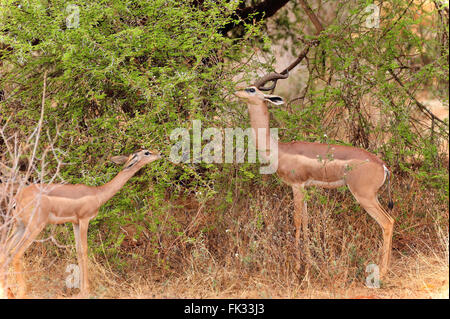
[[300, 57], [312, 16], [39, 128], [319, 27], [396, 21], [422, 107], [54, 241], [261, 11]]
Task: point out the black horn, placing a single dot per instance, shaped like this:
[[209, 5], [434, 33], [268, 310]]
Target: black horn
[[274, 77]]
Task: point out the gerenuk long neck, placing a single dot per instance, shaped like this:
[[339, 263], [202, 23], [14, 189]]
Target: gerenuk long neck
[[259, 119], [108, 190]]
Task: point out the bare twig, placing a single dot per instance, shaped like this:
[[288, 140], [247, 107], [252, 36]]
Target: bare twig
[[39, 129], [312, 16], [422, 107], [54, 241], [274, 77]]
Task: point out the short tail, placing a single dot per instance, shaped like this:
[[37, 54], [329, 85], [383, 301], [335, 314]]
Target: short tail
[[391, 202]]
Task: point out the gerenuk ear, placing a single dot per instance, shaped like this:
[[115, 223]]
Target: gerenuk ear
[[121, 159], [275, 99]]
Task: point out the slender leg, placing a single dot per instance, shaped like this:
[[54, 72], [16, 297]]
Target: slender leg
[[388, 232], [18, 233], [80, 231], [76, 231], [29, 235], [365, 189], [11, 243], [301, 221], [4, 262], [372, 206]]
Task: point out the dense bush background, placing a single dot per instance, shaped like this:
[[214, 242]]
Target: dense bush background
[[123, 80], [133, 71]]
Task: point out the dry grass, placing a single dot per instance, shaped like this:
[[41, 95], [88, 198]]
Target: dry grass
[[410, 277], [248, 252]]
